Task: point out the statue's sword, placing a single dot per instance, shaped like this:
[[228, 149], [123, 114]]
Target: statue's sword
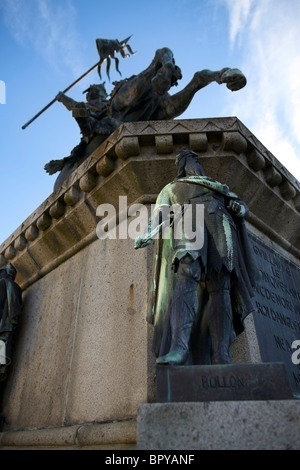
[[141, 242]]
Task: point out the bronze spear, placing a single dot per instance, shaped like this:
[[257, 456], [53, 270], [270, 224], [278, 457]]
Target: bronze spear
[[65, 91]]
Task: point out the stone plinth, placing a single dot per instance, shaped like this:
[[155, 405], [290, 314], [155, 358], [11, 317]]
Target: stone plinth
[[235, 425], [82, 356], [230, 382]]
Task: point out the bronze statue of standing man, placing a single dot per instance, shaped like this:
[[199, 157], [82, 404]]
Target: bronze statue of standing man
[[201, 294], [10, 312]]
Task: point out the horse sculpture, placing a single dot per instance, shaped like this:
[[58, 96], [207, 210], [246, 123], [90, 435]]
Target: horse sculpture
[[142, 97]]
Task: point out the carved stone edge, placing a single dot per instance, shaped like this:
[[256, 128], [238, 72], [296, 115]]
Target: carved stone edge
[[165, 137], [122, 432]]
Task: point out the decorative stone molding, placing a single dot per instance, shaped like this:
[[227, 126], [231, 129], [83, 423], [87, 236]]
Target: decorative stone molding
[[127, 147], [57, 209], [164, 143], [256, 160], [138, 159], [100, 435]]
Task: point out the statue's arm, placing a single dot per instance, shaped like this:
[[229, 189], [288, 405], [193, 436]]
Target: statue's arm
[[68, 102], [155, 221]]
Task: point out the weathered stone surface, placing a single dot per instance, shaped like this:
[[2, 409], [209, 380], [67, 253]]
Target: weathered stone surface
[[234, 141], [164, 143], [87, 182], [57, 209], [82, 352], [115, 434], [10, 253], [44, 221], [235, 425], [287, 190], [31, 233], [20, 243], [198, 142], [36, 393], [105, 166], [256, 160], [72, 196], [109, 324], [127, 147], [272, 176]]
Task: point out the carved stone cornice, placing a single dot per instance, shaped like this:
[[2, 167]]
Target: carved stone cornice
[[137, 160]]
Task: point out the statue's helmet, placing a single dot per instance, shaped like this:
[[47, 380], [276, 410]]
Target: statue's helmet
[[96, 91]]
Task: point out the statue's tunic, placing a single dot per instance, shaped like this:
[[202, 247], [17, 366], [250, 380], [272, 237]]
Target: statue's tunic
[[219, 227]]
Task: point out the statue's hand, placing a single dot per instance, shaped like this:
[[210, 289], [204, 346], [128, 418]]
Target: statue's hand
[[60, 96], [141, 243], [237, 208], [234, 79]]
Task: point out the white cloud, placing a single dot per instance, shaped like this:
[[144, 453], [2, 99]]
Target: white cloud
[[238, 16], [48, 27], [268, 35]]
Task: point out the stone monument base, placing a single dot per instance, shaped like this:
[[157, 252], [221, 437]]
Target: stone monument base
[[111, 435], [82, 361], [230, 425]]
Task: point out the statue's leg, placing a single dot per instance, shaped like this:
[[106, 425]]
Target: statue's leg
[[184, 309], [220, 317], [83, 119], [85, 127]]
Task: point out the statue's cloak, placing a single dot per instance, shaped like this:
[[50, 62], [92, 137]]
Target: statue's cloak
[[164, 278]]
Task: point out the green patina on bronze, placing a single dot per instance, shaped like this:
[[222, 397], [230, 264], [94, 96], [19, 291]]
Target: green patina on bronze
[[200, 297]]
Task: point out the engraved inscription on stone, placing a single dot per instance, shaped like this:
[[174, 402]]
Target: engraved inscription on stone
[[222, 382], [277, 302]]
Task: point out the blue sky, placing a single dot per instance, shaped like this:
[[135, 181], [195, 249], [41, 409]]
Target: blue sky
[[46, 44]]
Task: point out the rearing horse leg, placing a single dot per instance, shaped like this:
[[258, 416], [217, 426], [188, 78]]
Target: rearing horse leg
[[174, 105]]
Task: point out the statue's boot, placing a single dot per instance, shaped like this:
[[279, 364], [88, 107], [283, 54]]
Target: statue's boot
[[220, 327], [183, 311]]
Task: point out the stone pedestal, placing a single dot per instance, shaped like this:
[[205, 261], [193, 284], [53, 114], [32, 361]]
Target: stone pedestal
[[82, 361], [230, 382], [221, 407], [230, 425]]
